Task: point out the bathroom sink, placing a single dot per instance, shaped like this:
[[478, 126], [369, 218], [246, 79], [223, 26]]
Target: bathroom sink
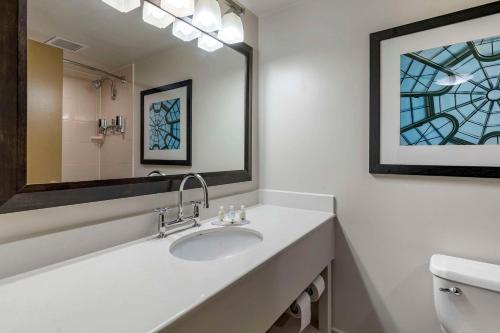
[[213, 244]]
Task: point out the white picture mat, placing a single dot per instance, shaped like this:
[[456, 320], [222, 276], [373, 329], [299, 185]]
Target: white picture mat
[[390, 150], [173, 155]]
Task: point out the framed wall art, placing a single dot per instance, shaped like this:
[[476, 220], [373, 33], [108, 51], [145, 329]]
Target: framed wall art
[[435, 96], [166, 124]]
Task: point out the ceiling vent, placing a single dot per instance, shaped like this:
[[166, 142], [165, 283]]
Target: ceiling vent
[[65, 44]]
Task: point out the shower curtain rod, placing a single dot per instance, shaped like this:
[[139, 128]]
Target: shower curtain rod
[[121, 78]]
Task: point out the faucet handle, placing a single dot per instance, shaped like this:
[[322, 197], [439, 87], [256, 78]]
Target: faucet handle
[[196, 208], [162, 221], [161, 210]]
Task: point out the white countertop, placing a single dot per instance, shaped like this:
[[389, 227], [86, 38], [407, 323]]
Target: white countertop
[[140, 287]]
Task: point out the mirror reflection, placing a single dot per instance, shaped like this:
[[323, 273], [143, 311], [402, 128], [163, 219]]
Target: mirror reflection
[[111, 96]]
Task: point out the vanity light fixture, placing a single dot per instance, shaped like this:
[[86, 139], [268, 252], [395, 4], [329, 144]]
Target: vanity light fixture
[[208, 43], [184, 31], [232, 29], [179, 8], [155, 16], [206, 19], [207, 15], [123, 6]]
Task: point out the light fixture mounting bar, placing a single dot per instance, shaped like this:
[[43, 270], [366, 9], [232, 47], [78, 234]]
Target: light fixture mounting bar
[[235, 7]]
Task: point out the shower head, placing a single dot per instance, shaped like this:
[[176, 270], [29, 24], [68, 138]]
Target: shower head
[[97, 84]]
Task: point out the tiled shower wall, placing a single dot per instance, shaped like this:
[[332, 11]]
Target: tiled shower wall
[[80, 156], [116, 152], [83, 159]]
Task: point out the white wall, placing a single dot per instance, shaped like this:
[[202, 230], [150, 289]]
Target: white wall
[[218, 105], [32, 223], [313, 128]]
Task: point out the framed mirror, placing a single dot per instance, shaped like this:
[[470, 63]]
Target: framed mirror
[[98, 104]]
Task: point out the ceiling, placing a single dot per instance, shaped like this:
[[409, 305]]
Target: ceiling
[[114, 39], [263, 7]]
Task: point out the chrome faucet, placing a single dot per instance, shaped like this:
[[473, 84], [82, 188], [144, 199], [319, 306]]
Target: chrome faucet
[[182, 223], [195, 204]]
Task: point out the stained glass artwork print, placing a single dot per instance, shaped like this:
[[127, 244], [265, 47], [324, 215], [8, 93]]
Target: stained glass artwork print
[[165, 125], [450, 95]]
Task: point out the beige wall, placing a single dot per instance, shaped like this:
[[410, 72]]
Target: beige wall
[[84, 158], [45, 81], [117, 150], [28, 224], [80, 156], [314, 114]]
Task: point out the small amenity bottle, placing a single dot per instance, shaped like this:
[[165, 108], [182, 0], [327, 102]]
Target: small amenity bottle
[[232, 213], [222, 213], [243, 213]]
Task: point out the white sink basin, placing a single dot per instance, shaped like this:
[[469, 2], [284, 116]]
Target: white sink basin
[[215, 244]]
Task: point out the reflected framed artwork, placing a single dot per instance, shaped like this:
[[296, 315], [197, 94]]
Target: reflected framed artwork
[[435, 96], [166, 124]]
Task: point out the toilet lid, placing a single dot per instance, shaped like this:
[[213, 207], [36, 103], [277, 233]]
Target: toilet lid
[[474, 273]]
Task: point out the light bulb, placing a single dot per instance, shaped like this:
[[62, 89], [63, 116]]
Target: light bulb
[[179, 8], [208, 43], [123, 6], [207, 15], [155, 16], [184, 31], [232, 29]]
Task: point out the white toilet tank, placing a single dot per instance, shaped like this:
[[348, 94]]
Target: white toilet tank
[[466, 295]]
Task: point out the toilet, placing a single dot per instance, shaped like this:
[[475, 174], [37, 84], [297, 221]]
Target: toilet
[[466, 294]]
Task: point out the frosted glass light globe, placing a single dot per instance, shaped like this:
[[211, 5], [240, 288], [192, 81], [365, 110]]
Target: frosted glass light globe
[[207, 15], [155, 16], [232, 29], [184, 31], [123, 6], [179, 8], [208, 43]]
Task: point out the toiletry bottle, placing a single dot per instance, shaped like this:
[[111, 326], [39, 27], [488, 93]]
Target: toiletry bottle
[[243, 213], [232, 213], [222, 213]]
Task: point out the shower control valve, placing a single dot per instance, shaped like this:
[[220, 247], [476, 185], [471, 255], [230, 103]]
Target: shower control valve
[[117, 126]]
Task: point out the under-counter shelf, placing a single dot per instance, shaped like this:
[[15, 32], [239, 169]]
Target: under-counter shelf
[[321, 312]]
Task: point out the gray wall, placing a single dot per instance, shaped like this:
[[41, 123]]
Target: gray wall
[[314, 137]]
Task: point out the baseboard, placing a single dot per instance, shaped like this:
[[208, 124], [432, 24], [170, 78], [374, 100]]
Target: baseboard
[[336, 330], [301, 200]]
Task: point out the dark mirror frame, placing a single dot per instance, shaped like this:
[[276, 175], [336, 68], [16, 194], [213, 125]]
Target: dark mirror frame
[[15, 194]]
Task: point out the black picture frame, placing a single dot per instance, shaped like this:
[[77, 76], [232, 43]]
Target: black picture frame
[[16, 195], [375, 165], [188, 161]]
